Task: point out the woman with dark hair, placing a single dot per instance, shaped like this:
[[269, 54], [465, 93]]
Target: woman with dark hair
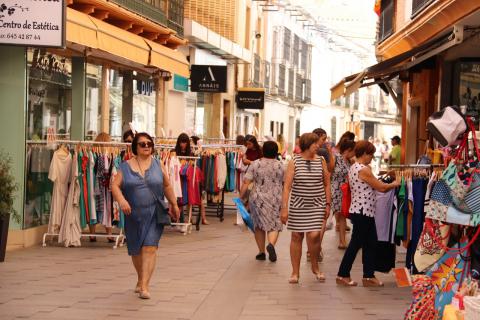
[[182, 148], [342, 159], [265, 199], [254, 151], [240, 140], [306, 203], [362, 212], [140, 187]]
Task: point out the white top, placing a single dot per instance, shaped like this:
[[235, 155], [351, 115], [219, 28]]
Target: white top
[[59, 174], [174, 167], [363, 195], [221, 171]]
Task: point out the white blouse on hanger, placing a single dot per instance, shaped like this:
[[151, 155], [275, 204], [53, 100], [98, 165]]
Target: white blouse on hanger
[[59, 174]]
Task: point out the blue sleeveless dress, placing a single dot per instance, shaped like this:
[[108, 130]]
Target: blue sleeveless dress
[[141, 228]]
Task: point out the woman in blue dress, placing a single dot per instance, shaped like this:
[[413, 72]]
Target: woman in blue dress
[[139, 187]]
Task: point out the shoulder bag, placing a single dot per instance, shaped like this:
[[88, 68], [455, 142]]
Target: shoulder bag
[[161, 209]]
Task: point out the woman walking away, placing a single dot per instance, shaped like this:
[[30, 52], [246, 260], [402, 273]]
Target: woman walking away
[[265, 199], [140, 187], [362, 211], [342, 159], [306, 203]]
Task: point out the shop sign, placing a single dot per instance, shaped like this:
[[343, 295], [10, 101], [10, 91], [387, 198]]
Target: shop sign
[[251, 98], [180, 83], [32, 23], [206, 78], [145, 87]]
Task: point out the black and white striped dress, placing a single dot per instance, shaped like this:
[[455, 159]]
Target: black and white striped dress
[[306, 210]]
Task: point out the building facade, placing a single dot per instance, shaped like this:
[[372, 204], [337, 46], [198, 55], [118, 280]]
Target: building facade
[[429, 59], [114, 71]]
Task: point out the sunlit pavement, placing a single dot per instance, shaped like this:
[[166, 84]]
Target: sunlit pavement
[[211, 274]]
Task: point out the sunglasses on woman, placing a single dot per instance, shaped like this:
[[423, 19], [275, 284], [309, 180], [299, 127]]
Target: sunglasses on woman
[[146, 144]]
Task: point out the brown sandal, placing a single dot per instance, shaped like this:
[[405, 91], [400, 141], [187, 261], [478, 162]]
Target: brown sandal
[[347, 282], [372, 282]]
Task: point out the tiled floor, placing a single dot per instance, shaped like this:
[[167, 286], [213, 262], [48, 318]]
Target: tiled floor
[[211, 274]]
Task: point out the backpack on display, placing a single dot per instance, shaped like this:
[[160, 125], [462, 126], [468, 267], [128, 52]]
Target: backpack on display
[[447, 125]]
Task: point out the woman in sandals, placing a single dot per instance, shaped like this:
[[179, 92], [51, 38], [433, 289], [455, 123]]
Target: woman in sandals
[[306, 203], [362, 211], [341, 159]]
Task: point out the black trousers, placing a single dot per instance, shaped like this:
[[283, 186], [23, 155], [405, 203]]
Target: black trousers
[[364, 236]]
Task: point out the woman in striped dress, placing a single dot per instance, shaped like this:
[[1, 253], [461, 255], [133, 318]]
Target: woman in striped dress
[[306, 203]]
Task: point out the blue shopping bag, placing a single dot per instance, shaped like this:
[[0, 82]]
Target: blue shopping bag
[[244, 213]]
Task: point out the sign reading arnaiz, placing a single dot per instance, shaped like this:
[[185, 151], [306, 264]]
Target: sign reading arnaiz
[[32, 22], [205, 78]]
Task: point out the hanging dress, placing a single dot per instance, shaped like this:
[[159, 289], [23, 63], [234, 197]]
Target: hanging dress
[[59, 174]]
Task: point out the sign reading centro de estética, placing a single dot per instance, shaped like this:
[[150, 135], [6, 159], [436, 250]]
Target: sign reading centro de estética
[[32, 22]]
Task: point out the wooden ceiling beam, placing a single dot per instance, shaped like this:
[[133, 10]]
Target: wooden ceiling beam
[[122, 24], [83, 7], [100, 14], [136, 29], [69, 2], [152, 36]]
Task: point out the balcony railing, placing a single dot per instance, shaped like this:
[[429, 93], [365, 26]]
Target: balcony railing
[[157, 11], [386, 20], [419, 5]]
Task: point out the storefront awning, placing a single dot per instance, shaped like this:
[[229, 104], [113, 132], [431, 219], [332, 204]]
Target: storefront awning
[[121, 42], [168, 59], [388, 69], [80, 29]]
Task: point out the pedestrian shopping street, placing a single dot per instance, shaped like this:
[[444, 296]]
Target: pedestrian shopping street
[[210, 274]]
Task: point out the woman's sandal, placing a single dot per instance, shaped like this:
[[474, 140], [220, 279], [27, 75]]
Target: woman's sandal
[[320, 277], [144, 295], [345, 282], [372, 282], [293, 279]]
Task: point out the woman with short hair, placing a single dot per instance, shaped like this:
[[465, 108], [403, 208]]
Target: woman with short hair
[[265, 198], [362, 212], [306, 203]]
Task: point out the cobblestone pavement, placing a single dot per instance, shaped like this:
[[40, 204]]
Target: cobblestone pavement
[[211, 274]]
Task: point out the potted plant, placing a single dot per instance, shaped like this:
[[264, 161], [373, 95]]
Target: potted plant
[[8, 186]]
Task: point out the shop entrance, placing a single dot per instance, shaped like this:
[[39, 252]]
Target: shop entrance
[[226, 118]]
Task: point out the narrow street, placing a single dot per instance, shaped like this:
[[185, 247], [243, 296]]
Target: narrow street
[[211, 274]]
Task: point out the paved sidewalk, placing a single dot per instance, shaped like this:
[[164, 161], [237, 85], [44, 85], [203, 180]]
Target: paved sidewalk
[[211, 274]]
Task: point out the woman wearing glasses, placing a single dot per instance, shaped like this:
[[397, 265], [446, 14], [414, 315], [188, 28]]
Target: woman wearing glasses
[[306, 203], [138, 187]]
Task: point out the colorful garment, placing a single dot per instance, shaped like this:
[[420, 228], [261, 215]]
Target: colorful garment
[[339, 177]]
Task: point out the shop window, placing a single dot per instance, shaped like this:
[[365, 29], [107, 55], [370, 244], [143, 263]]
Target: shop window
[[291, 82], [143, 110], [281, 128], [356, 100], [333, 129], [287, 39], [48, 111], [419, 5], [115, 91], [386, 19], [93, 101]]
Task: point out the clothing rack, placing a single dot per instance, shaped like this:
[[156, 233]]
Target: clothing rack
[[413, 166], [77, 142], [186, 227], [119, 238]]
